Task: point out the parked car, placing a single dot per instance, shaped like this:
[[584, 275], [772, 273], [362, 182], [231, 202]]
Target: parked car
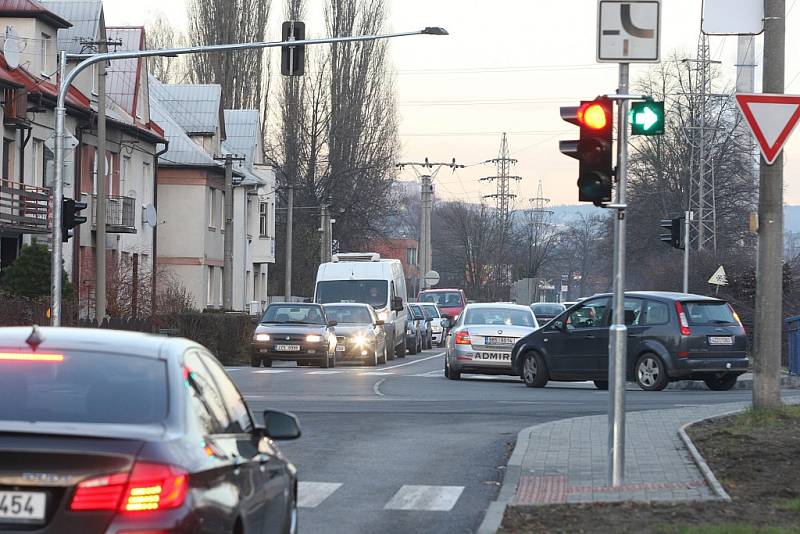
[[413, 332], [300, 333], [450, 301], [424, 324], [360, 334], [437, 331], [546, 311], [671, 336], [482, 338], [104, 431]]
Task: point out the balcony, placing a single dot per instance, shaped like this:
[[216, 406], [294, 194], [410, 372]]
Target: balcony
[[120, 214], [24, 208]]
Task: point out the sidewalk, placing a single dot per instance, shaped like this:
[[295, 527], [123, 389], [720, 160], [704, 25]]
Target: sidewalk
[[745, 382], [566, 462]]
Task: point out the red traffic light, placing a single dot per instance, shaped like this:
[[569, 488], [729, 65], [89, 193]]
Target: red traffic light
[[594, 115]]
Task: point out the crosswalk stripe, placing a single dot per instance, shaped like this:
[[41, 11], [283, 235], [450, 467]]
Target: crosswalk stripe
[[312, 494], [324, 372], [270, 371], [425, 498]]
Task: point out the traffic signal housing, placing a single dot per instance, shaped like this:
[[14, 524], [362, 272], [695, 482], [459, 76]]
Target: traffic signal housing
[[594, 149], [293, 58], [70, 218], [675, 237]]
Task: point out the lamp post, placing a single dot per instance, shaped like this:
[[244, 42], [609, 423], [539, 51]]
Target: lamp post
[[87, 60]]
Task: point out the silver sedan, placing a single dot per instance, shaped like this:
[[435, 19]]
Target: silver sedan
[[482, 338]]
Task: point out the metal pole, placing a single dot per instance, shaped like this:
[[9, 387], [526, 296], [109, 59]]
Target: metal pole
[[424, 231], [101, 202], [687, 225], [769, 282], [227, 265], [289, 222], [618, 333], [58, 195], [65, 81]]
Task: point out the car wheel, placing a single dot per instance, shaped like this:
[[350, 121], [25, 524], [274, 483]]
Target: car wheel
[[376, 358], [413, 348], [398, 352], [651, 375], [326, 361], [255, 361], [601, 384], [449, 372], [721, 383], [267, 362], [534, 371]]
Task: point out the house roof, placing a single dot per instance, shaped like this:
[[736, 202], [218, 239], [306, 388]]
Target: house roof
[[37, 85], [84, 15], [124, 75], [242, 129], [32, 8], [182, 150], [194, 107]]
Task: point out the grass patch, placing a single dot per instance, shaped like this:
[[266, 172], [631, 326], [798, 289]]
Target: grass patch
[[730, 528], [760, 418], [792, 505]]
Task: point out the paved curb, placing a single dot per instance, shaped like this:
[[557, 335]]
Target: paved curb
[[708, 474], [787, 382]]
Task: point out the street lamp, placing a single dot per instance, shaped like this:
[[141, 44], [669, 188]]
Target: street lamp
[[65, 81]]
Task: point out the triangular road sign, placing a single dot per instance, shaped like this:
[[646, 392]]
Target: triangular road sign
[[771, 117], [719, 278]]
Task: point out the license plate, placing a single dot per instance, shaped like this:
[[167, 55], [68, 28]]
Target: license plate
[[340, 348], [22, 506], [500, 340], [492, 356], [287, 348], [720, 340]]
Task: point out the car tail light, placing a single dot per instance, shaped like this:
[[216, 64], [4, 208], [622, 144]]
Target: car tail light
[[683, 355], [147, 487], [682, 321], [30, 357], [462, 338], [736, 316]]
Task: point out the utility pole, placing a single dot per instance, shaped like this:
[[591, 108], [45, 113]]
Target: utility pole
[[326, 234], [426, 177], [687, 227], [227, 265], [101, 202], [769, 273], [289, 222]]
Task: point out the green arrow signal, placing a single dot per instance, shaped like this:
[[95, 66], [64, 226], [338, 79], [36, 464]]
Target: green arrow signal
[[647, 118]]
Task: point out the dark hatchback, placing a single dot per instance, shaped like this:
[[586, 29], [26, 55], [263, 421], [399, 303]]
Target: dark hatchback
[[300, 333], [671, 336], [110, 432]]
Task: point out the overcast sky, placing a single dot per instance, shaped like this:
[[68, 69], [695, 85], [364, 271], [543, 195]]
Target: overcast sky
[[507, 67]]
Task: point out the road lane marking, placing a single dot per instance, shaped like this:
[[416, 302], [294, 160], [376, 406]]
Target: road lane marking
[[270, 371], [312, 494], [415, 361], [425, 498], [375, 373], [377, 387], [436, 373], [324, 372]]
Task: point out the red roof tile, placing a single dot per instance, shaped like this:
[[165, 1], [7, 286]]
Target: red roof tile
[[31, 8]]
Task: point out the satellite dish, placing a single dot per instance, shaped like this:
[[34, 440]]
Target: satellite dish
[[149, 215], [11, 50]]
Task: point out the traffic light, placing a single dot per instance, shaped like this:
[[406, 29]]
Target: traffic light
[[675, 236], [69, 217], [293, 57], [594, 150], [647, 118]]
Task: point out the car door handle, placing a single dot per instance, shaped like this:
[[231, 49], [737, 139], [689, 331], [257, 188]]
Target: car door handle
[[590, 337]]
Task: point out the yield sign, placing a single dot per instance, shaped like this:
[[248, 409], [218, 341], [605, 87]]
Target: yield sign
[[771, 117]]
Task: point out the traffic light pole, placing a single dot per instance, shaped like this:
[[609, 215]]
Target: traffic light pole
[[687, 225], [618, 333]]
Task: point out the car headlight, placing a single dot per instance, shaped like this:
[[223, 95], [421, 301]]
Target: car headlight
[[360, 340], [313, 338], [383, 316], [262, 337], [437, 329]]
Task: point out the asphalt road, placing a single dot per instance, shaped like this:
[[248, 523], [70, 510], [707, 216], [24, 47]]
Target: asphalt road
[[399, 448]]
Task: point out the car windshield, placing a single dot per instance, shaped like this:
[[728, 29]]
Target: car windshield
[[499, 316], [444, 299], [708, 313], [83, 387], [417, 312], [547, 310], [293, 314], [432, 311], [372, 292], [349, 314]]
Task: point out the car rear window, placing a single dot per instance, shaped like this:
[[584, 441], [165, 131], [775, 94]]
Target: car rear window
[[445, 299], [547, 310], [708, 313], [82, 387], [499, 317]]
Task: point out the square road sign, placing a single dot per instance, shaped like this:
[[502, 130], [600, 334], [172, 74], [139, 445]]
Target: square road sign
[[629, 31]]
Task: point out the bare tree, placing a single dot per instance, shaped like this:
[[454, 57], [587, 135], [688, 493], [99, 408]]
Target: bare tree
[[160, 33], [242, 75]]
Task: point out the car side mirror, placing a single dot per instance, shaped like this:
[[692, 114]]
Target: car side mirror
[[446, 316], [331, 324], [281, 425], [558, 325], [380, 322], [446, 322], [397, 304]]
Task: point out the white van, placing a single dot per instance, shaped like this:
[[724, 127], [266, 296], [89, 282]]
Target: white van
[[368, 279]]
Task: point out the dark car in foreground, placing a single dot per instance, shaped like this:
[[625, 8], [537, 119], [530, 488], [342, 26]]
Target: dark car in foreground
[[671, 336], [119, 432], [300, 333], [360, 334]]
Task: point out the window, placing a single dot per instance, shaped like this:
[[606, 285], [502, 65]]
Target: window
[[709, 313], [45, 54], [207, 396], [48, 166], [499, 317], [209, 285], [263, 219], [590, 315], [221, 211], [211, 212], [125, 173], [240, 421], [656, 312], [372, 292], [294, 313], [411, 256], [37, 169]]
